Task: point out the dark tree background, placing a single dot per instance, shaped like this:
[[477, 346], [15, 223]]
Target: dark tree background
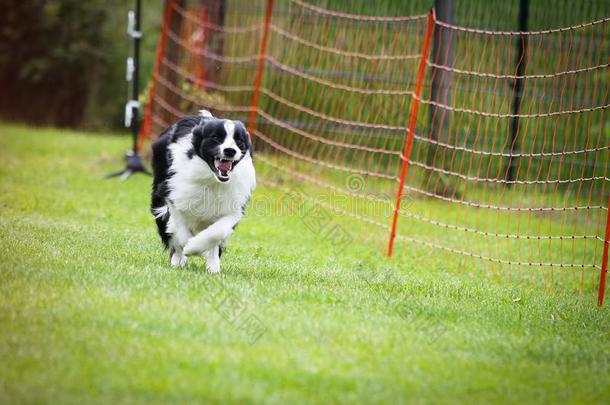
[[62, 62]]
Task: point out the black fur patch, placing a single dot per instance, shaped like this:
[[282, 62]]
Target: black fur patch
[[161, 161]]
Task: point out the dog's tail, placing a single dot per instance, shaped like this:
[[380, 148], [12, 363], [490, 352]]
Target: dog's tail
[[160, 211], [161, 214]]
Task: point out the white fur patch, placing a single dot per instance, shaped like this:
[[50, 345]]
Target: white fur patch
[[205, 114], [229, 141], [229, 128]]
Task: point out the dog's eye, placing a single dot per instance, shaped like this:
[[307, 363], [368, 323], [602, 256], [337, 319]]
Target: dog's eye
[[214, 139]]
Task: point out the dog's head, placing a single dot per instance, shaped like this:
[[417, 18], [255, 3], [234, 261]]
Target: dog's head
[[222, 144]]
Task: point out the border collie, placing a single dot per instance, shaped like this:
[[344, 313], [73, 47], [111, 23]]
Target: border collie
[[203, 178]]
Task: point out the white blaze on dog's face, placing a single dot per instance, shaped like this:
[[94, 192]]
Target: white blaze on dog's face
[[222, 144]]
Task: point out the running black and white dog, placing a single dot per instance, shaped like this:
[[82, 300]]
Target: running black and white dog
[[203, 179]]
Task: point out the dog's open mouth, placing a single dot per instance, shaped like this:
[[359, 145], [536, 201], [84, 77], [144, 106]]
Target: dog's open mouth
[[223, 169]]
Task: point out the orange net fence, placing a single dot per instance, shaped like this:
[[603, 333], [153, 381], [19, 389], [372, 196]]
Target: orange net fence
[[487, 146]]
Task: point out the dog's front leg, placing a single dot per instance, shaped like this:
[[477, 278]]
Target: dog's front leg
[[213, 260], [212, 236]]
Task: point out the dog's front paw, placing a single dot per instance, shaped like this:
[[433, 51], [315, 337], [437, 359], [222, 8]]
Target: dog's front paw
[[197, 245], [190, 249]]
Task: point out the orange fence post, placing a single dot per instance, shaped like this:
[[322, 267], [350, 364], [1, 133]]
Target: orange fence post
[[421, 74], [147, 122], [261, 66], [604, 270]]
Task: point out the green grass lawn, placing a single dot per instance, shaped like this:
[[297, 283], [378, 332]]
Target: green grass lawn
[[90, 311]]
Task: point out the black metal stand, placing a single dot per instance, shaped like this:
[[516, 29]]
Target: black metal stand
[[133, 161], [133, 164]]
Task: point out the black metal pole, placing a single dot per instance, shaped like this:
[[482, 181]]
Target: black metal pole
[[518, 92], [442, 54], [133, 160], [135, 82]]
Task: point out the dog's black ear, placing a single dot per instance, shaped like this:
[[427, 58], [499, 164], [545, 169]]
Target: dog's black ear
[[198, 135], [245, 136]]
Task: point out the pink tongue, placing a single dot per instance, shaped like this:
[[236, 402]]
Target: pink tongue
[[224, 166]]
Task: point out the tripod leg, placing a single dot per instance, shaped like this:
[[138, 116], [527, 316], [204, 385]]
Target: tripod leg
[[115, 174], [126, 174]]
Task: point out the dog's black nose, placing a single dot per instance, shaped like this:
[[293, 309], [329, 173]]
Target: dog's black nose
[[229, 152]]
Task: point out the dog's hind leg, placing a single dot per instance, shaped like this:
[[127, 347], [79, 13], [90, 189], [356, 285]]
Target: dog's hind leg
[[180, 236]]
